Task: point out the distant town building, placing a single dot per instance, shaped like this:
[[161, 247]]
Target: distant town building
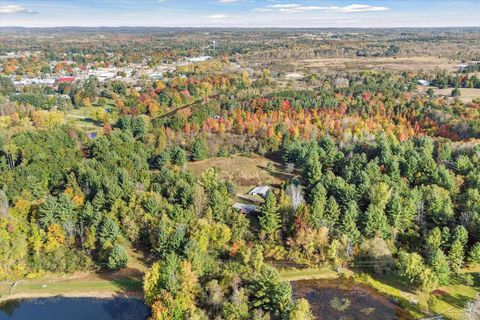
[[199, 59], [66, 79]]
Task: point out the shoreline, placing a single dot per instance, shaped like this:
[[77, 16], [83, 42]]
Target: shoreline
[[77, 285], [73, 294]]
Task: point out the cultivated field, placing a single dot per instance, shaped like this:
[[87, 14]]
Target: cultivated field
[[426, 63]]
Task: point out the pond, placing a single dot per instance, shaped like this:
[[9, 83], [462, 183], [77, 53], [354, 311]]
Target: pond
[[61, 308], [346, 300]]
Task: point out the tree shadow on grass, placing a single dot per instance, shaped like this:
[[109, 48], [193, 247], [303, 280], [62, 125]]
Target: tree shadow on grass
[[129, 281], [276, 174], [456, 300], [394, 282], [129, 285]]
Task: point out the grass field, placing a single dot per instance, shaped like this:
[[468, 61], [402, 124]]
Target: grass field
[[448, 301], [83, 117], [128, 281], [82, 287], [308, 274], [378, 63], [246, 172], [467, 94]]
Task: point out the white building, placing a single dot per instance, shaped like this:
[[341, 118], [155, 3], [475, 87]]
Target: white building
[[199, 59], [423, 83], [261, 191]]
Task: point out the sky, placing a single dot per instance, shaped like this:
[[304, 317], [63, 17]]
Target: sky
[[241, 13]]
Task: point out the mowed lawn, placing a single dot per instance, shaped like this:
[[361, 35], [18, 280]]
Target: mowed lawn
[[126, 281], [71, 287], [308, 274], [84, 116], [448, 301]]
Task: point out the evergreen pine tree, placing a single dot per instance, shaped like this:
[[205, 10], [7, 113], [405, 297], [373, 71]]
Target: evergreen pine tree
[[312, 174], [349, 222], [270, 220], [318, 204], [376, 223], [474, 254], [439, 264], [332, 211], [456, 256], [199, 149]]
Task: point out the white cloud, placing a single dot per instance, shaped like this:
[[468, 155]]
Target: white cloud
[[262, 10], [302, 9], [228, 1], [357, 8], [297, 8], [14, 9], [284, 6], [218, 16]]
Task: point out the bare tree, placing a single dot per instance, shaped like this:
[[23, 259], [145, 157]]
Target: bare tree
[[69, 228], [199, 199], [290, 167], [295, 193], [3, 204], [472, 310]]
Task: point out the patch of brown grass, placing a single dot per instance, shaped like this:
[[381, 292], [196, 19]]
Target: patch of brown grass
[[246, 172]]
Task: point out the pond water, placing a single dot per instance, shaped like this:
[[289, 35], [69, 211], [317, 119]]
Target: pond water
[[346, 300], [60, 308]]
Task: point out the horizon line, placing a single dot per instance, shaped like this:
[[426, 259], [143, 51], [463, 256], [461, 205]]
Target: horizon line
[[240, 27]]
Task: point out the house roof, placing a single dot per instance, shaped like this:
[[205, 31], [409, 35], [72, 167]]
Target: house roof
[[66, 79], [261, 190], [246, 208]]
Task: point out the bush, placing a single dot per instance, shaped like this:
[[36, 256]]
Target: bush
[[117, 258], [178, 156], [474, 255], [199, 149], [466, 279], [456, 92], [340, 304], [375, 255]]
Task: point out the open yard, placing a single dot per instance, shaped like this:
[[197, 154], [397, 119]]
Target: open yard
[[128, 281], [246, 172], [83, 117], [448, 301]]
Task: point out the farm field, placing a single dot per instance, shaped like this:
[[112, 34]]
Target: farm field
[[467, 94], [426, 63]]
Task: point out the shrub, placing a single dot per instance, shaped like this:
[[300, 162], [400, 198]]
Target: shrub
[[117, 258]]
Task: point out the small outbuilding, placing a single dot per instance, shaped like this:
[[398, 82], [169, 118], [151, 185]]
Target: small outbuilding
[[423, 83], [245, 208], [261, 191]]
